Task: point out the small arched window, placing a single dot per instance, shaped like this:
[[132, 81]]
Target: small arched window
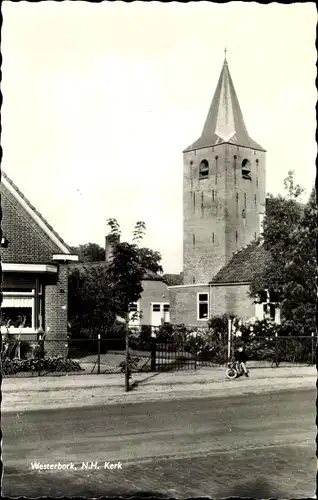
[[204, 169], [246, 169]]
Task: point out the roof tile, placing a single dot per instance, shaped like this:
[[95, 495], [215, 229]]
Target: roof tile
[[243, 265]]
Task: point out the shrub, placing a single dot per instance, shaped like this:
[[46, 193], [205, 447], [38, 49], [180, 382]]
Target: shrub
[[55, 364]]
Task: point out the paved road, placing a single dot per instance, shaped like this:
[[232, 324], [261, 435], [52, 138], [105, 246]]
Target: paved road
[[258, 446]]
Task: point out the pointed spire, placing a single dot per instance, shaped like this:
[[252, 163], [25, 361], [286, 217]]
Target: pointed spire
[[225, 122]]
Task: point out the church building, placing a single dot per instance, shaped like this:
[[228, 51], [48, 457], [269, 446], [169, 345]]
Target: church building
[[223, 208]]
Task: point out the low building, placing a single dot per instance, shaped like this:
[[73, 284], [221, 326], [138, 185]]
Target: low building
[[153, 307], [228, 292], [34, 272]]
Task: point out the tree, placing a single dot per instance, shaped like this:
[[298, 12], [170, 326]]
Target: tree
[[89, 305], [128, 266], [290, 231], [89, 252], [98, 292]]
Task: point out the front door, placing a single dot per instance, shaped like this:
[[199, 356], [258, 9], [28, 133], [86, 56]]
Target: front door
[[160, 313]]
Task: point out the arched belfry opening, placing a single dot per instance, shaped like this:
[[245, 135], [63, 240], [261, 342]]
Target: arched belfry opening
[[204, 169], [246, 169]]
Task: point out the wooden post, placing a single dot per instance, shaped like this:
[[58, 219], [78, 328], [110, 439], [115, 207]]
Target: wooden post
[[127, 367], [276, 349], [229, 339], [98, 353], [153, 352], [40, 354]]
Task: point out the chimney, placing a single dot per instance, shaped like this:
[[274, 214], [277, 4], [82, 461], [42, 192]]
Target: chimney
[[110, 241]]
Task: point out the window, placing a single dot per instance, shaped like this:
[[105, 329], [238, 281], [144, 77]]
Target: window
[[212, 237], [19, 312], [193, 239], [255, 200], [166, 307], [4, 242], [203, 306], [256, 181], [193, 280], [256, 162], [244, 213], [213, 195], [267, 306], [255, 236], [193, 202], [234, 168], [246, 169], [244, 200], [134, 314], [237, 197], [156, 307], [216, 169], [204, 169], [16, 317], [236, 235], [202, 203]]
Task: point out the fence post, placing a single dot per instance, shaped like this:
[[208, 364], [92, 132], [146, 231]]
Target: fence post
[[153, 351], [312, 348], [276, 350], [229, 339], [127, 367], [98, 353], [39, 355]]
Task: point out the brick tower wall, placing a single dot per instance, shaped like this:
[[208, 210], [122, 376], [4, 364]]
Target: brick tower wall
[[212, 208]]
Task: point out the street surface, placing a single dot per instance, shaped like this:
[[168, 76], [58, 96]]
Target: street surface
[[254, 446]]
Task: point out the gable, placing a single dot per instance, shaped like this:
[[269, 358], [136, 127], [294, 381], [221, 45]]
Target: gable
[[31, 239]]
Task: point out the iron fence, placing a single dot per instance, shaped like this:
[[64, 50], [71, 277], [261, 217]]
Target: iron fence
[[151, 349]]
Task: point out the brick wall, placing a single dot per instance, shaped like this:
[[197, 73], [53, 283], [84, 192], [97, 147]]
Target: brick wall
[[55, 317], [153, 291], [212, 208], [232, 299], [183, 304], [28, 243]]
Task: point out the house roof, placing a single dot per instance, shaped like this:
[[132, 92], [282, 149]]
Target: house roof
[[173, 279], [243, 265], [58, 243], [225, 122], [148, 276]]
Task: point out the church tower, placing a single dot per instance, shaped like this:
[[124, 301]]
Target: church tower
[[223, 187]]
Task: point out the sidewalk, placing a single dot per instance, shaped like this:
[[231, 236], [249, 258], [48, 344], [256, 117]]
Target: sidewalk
[[21, 394]]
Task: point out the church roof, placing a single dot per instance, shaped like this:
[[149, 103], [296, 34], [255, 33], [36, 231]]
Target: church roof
[[225, 122], [243, 265]]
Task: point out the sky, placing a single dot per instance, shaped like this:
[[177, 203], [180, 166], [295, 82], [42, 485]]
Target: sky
[[100, 100]]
